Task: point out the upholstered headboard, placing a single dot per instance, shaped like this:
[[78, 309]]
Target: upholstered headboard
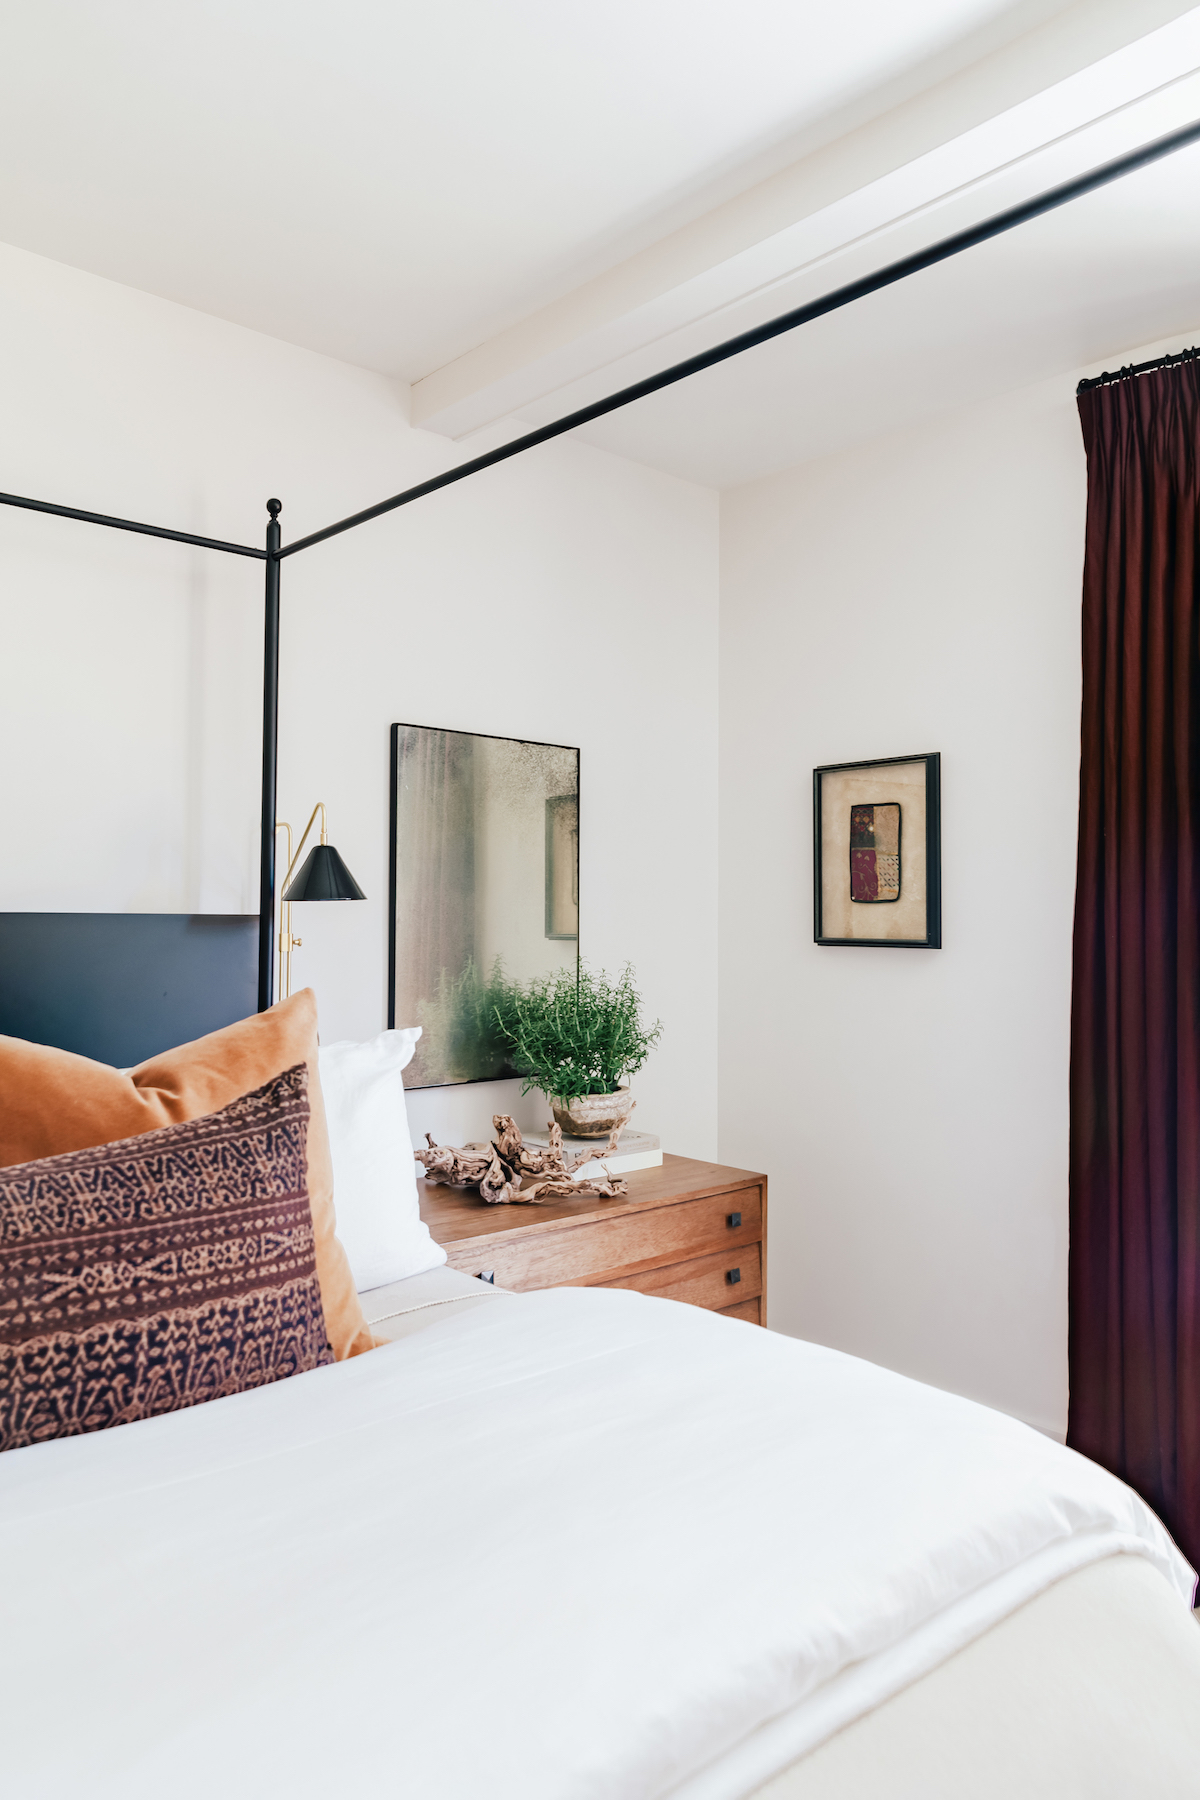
[[120, 987]]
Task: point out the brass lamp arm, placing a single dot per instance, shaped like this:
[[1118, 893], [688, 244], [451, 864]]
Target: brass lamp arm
[[287, 942], [318, 808]]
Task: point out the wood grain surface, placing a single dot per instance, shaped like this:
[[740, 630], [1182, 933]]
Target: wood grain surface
[[705, 1281], [751, 1310], [673, 1233]]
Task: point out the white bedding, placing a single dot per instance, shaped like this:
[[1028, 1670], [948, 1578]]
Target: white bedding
[[1087, 1692], [579, 1544], [402, 1307]]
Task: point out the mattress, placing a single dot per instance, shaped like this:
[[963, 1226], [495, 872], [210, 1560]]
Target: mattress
[[402, 1307], [556, 1546], [1091, 1691]]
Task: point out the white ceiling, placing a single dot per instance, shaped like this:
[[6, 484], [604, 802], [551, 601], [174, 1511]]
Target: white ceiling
[[1083, 285], [520, 207], [1073, 290], [392, 183]]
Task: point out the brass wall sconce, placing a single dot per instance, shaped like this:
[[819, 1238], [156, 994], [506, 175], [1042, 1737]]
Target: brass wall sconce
[[323, 877]]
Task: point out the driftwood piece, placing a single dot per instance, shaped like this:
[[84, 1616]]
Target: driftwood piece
[[511, 1172], [528, 1158], [501, 1181], [532, 1160], [452, 1168], [562, 1187]]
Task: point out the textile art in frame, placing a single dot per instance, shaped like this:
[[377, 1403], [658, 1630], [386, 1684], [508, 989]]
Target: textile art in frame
[[877, 853]]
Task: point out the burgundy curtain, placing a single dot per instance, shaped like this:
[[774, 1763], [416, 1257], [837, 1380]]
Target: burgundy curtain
[[1135, 1026]]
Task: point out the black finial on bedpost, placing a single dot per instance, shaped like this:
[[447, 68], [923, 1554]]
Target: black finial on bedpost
[[270, 758]]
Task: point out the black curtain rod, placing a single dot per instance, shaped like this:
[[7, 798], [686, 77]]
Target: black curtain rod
[[1146, 368], [159, 531], [800, 315]]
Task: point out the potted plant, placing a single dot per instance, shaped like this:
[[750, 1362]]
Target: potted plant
[[579, 1037]]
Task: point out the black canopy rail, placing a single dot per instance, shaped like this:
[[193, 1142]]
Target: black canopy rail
[[1147, 368], [275, 551], [158, 531], [938, 252]]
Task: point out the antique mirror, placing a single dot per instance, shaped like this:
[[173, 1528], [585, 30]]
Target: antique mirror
[[484, 888]]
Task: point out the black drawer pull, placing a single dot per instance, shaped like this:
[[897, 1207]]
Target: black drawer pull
[[733, 1220], [733, 1276]]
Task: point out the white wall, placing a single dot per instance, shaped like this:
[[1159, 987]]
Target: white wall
[[910, 1106], [569, 596], [920, 593]]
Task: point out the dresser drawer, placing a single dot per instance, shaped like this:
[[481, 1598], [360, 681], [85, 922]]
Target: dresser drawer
[[596, 1250], [747, 1309], [713, 1281]]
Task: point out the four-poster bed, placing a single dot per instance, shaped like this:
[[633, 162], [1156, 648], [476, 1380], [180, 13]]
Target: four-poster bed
[[579, 1542], [275, 551]]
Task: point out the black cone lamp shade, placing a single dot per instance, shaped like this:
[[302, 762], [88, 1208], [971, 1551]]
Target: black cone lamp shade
[[324, 876]]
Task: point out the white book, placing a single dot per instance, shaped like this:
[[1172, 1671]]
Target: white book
[[635, 1150]]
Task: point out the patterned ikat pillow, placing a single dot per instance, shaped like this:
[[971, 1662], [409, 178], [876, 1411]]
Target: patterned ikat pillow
[[147, 1275]]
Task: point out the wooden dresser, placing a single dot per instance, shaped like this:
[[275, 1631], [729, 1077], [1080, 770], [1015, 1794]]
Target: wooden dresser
[[692, 1231]]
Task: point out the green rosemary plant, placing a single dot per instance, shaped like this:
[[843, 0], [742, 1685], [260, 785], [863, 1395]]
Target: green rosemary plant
[[571, 1034]]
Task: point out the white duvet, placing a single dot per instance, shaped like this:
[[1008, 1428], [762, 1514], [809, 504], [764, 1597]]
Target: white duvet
[[572, 1544]]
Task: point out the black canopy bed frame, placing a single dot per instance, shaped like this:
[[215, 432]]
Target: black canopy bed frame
[[24, 942]]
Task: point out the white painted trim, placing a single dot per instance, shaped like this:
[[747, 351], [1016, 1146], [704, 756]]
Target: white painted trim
[[1077, 71]]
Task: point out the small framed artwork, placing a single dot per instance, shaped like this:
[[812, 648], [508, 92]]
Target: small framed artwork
[[877, 853]]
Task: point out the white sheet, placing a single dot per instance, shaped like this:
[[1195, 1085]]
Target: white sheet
[[1087, 1692], [579, 1544]]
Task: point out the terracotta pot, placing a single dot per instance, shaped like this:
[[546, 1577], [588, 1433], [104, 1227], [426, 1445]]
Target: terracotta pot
[[592, 1115]]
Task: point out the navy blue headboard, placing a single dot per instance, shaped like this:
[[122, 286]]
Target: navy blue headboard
[[120, 987]]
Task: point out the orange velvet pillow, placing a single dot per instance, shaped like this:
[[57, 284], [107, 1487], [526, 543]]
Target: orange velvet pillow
[[54, 1101]]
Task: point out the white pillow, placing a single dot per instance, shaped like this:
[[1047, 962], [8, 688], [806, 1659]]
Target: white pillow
[[374, 1175]]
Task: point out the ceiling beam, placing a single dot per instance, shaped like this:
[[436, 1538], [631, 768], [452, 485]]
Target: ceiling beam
[[754, 255]]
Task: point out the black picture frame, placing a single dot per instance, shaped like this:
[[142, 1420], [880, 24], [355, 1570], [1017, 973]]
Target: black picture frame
[[932, 940]]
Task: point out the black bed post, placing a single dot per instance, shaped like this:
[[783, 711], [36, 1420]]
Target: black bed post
[[270, 758]]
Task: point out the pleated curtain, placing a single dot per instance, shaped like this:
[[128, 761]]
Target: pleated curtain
[[1135, 1028]]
